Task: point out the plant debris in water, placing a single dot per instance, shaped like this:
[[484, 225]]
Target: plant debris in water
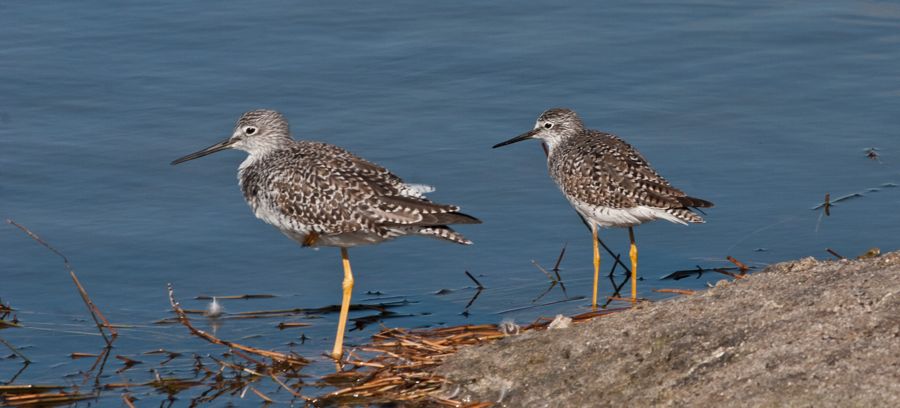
[[396, 367]]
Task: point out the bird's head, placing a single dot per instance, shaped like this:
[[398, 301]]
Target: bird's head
[[551, 127], [256, 132]]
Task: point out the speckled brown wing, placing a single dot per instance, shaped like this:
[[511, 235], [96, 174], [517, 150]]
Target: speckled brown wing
[[299, 185], [389, 201], [332, 191], [603, 170]]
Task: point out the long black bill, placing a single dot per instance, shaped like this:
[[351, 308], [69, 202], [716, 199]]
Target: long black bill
[[519, 138], [225, 144]]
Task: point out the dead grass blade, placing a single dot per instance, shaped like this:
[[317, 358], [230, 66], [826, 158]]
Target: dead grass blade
[[686, 292], [744, 268], [128, 400], [261, 395], [40, 395]]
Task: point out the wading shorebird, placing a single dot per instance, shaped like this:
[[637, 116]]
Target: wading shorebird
[[607, 181], [322, 195]]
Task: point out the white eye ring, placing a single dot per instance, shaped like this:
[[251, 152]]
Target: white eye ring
[[548, 125], [249, 130]]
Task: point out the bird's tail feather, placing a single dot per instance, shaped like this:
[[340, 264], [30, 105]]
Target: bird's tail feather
[[685, 215], [452, 218], [694, 202], [443, 232]]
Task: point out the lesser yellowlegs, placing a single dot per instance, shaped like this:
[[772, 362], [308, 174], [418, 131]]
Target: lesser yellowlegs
[[607, 181], [322, 195]]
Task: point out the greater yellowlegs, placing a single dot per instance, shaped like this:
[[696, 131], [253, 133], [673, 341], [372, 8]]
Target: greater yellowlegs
[[607, 181], [322, 195]]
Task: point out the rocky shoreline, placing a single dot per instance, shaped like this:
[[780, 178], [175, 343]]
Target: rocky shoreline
[[802, 333]]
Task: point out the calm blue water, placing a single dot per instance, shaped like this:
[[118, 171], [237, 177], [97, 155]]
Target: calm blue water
[[760, 107]]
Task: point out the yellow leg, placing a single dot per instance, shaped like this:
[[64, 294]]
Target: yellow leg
[[596, 266], [338, 350], [634, 265]]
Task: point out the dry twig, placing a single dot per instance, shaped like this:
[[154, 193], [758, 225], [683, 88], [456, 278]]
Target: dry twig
[[275, 356], [477, 283], [676, 291], [15, 351], [92, 308], [835, 254], [744, 268]]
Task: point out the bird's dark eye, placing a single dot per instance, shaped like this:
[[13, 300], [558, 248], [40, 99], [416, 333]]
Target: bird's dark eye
[[250, 130], [548, 125]]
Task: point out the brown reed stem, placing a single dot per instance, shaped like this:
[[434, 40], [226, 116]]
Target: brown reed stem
[[15, 351], [743, 268], [275, 356], [96, 315], [676, 291]]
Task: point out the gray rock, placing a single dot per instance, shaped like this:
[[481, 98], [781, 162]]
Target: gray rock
[[803, 333]]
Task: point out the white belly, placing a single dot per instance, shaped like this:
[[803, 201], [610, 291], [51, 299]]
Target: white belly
[[621, 217], [349, 239], [299, 232]]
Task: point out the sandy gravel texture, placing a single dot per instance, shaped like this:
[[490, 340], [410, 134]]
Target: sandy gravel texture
[[803, 333]]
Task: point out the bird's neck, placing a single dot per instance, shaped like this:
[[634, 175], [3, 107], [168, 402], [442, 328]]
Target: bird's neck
[[552, 144], [262, 149], [249, 161]]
